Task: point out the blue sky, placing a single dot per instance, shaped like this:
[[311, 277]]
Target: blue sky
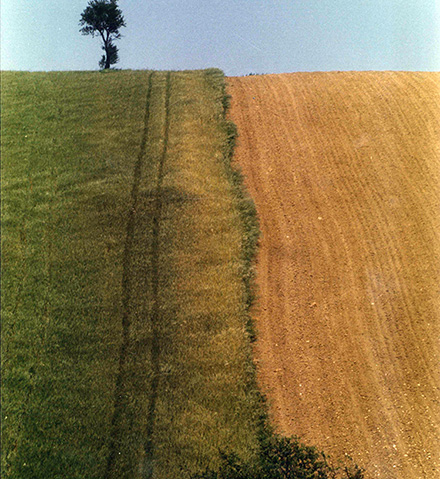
[[238, 36]]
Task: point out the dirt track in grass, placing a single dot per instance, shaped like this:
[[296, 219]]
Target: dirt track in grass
[[345, 172]]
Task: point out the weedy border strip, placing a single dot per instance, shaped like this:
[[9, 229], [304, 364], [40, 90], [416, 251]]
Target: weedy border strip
[[250, 235]]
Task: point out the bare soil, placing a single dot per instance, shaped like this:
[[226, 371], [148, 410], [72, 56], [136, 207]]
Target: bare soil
[[345, 171]]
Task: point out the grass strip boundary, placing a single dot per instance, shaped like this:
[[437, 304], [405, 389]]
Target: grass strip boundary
[[250, 227], [126, 287], [245, 205]]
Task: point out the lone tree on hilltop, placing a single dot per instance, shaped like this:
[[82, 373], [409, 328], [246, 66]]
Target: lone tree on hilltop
[[104, 18]]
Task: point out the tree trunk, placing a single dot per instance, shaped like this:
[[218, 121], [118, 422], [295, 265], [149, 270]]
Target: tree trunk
[[106, 49], [107, 57]]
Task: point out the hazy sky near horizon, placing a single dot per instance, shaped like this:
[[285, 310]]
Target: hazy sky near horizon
[[238, 36]]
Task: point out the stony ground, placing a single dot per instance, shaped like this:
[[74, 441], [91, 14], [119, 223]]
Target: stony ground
[[344, 170]]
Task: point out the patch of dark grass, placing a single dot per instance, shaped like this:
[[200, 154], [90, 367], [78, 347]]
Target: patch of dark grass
[[282, 458]]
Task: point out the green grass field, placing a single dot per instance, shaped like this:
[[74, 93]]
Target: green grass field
[[126, 349]]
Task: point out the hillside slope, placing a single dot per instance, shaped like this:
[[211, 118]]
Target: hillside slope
[[125, 352], [345, 172]]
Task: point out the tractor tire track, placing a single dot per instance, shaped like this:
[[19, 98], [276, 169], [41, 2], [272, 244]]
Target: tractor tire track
[[120, 389], [147, 461]]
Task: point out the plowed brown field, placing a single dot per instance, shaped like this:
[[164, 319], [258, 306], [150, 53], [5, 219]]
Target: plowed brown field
[[345, 172]]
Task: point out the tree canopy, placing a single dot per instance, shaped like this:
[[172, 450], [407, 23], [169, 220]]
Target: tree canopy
[[103, 18]]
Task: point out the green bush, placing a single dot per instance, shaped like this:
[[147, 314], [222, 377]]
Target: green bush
[[282, 458]]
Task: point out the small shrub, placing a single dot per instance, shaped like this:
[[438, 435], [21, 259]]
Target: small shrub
[[282, 458]]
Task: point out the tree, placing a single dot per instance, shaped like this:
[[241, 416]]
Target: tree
[[103, 18]]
